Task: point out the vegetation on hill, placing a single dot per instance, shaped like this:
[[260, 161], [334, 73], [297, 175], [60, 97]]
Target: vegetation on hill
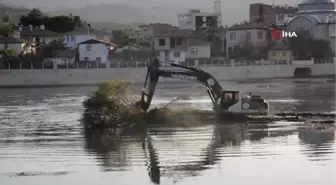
[[59, 24], [15, 12]]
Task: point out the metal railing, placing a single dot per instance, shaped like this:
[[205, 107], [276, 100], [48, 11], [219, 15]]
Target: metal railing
[[144, 64]]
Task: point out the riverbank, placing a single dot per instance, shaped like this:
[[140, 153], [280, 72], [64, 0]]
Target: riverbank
[[91, 77]]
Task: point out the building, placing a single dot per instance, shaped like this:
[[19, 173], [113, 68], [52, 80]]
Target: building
[[280, 52], [95, 50], [195, 20], [172, 45], [316, 16], [249, 32], [73, 38], [11, 44], [198, 49], [36, 36], [271, 14], [146, 32]]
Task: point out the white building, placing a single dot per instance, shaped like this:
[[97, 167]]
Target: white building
[[250, 32], [72, 39], [198, 49], [316, 16], [171, 45], [178, 45], [95, 50], [195, 19]]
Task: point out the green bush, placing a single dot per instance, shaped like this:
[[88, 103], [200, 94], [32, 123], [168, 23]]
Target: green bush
[[110, 107]]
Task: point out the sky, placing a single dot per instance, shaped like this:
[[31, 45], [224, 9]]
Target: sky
[[233, 11], [52, 4]]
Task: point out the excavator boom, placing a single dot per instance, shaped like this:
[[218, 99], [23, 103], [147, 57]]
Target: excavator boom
[[189, 73]]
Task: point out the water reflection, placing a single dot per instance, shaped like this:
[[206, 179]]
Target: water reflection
[[317, 144], [113, 152], [314, 97]]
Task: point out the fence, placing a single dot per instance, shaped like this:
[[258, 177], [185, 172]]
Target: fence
[[143, 64]]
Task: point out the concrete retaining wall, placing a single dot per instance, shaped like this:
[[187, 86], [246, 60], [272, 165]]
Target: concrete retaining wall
[[50, 77]]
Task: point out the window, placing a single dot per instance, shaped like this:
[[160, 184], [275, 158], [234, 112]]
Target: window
[[248, 35], [179, 42], [86, 58], [98, 59], [162, 42], [88, 47], [194, 51], [260, 35], [233, 36], [284, 53], [176, 54], [281, 17]]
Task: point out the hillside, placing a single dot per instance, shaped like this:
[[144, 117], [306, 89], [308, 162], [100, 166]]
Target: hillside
[[125, 14], [15, 11]]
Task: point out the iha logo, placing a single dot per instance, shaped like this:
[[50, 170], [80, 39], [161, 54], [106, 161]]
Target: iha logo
[[278, 34]]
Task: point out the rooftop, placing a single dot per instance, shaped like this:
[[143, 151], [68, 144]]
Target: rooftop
[[198, 12], [285, 9], [280, 8], [174, 32], [250, 25], [38, 32], [96, 41]]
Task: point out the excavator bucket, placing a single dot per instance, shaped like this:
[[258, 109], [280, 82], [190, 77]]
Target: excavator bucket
[[149, 86]]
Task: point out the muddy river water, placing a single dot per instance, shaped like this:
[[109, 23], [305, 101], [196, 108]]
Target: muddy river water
[[41, 142]]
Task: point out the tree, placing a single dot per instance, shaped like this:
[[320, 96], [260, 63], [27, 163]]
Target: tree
[[121, 37], [35, 18], [304, 47], [59, 24], [50, 48], [7, 27]]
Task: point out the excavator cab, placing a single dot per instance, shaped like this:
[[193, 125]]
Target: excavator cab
[[229, 98]]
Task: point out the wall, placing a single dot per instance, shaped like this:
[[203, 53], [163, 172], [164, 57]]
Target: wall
[[171, 56], [241, 37], [281, 17], [76, 39], [137, 75], [186, 21], [268, 13], [202, 52], [280, 55], [97, 50], [165, 47]]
